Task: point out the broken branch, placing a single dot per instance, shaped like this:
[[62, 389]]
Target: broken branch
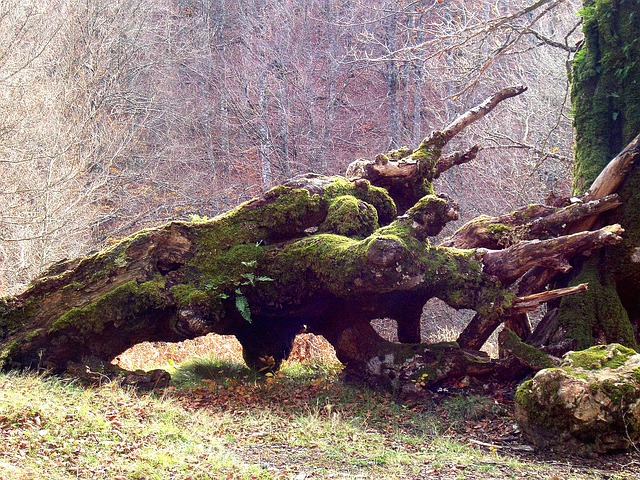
[[531, 302]]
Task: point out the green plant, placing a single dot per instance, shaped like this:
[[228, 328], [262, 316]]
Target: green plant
[[249, 279], [472, 407], [194, 371]]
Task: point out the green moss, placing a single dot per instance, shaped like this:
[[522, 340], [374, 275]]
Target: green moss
[[73, 286], [16, 315], [605, 79], [186, 294], [427, 155], [435, 367], [600, 356], [399, 154], [620, 392], [523, 394], [350, 217], [539, 399], [498, 228], [6, 353], [528, 354], [597, 313], [283, 213], [123, 303], [323, 261], [344, 267], [376, 196], [227, 244], [621, 262], [33, 334]]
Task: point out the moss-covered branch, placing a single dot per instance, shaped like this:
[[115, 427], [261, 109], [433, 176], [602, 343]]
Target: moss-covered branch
[[328, 254]]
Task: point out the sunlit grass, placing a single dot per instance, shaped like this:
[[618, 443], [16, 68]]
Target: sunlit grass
[[53, 429], [219, 420]]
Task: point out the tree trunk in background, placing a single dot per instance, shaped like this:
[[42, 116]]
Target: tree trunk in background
[[391, 78], [605, 83]]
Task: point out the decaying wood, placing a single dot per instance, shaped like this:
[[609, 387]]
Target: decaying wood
[[400, 171], [527, 223], [324, 254], [513, 262], [442, 137], [579, 216], [531, 302], [447, 162], [613, 175]]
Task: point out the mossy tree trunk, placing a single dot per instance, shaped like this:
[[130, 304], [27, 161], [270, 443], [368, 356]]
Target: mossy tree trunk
[[606, 102], [325, 254]]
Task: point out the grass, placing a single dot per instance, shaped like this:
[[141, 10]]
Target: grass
[[218, 420]]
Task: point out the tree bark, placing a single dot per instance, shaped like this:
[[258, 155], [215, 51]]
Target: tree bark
[[605, 100], [325, 254]]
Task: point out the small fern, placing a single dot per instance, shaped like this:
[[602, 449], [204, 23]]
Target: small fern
[[249, 279], [242, 304]]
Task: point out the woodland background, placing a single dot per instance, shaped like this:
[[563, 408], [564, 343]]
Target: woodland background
[[115, 116]]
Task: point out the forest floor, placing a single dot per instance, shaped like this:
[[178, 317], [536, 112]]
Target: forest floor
[[219, 420]]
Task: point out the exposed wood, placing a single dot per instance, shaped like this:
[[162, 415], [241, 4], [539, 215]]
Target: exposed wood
[[613, 175], [566, 220], [599, 198], [328, 254], [515, 261], [610, 179], [511, 263], [575, 218], [527, 223], [407, 167], [408, 369], [497, 232], [519, 324], [478, 330], [394, 169], [531, 302], [442, 137], [404, 164]]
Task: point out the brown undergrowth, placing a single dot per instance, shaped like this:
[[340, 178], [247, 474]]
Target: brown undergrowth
[[147, 355]]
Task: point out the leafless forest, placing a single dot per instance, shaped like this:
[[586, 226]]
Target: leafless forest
[[119, 115]]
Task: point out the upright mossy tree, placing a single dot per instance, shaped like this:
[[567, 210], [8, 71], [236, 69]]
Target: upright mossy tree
[[606, 99]]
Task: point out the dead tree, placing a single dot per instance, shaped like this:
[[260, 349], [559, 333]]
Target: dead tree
[[325, 254]]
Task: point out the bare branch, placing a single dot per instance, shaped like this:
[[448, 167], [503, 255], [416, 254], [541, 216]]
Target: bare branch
[[455, 158], [550, 42], [440, 138], [511, 263], [531, 302]]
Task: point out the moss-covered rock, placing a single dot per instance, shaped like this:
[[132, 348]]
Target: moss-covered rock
[[589, 405]]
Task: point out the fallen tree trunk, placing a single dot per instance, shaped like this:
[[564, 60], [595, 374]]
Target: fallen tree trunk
[[325, 254]]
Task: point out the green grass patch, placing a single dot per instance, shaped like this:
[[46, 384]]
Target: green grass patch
[[221, 421]]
